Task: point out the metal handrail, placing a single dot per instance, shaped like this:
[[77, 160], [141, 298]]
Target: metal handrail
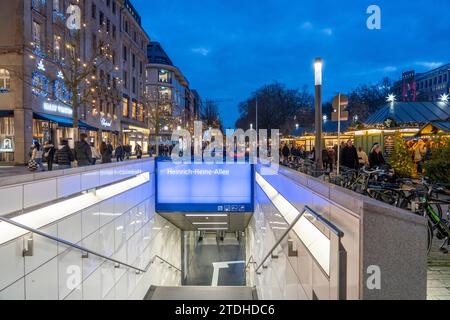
[[167, 262], [85, 250], [318, 217]]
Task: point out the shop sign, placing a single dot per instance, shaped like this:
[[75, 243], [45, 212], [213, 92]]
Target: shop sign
[[6, 145], [53, 107], [106, 123]]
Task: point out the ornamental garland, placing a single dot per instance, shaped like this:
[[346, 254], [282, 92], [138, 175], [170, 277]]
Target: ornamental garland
[[40, 84]]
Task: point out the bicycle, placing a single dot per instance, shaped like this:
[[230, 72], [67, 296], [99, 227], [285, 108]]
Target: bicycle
[[426, 202]]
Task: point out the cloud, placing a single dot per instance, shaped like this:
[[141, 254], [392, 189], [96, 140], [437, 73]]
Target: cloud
[[389, 69], [307, 25], [201, 51], [327, 31], [429, 64]]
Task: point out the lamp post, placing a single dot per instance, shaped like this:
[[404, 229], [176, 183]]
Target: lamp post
[[318, 106]]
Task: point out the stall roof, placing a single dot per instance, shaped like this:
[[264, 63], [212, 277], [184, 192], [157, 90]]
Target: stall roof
[[414, 112], [435, 127]]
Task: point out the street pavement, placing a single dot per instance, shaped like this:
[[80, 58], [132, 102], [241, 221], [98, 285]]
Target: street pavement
[[438, 274]]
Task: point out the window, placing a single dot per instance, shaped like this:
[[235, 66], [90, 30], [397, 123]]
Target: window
[[36, 35], [114, 31], [165, 93], [101, 107], [141, 67], [126, 107], [114, 110], [102, 18], [40, 84], [114, 7], [108, 3], [125, 53], [56, 5], [141, 113], [94, 11], [134, 110], [164, 76], [60, 90], [57, 47], [134, 36], [94, 42], [134, 84], [113, 58], [108, 25], [125, 80], [126, 26], [108, 108], [133, 59], [5, 80], [445, 78]]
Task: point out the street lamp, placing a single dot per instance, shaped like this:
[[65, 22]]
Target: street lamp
[[318, 66]]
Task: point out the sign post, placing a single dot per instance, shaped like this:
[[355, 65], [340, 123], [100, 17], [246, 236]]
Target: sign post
[[340, 103]]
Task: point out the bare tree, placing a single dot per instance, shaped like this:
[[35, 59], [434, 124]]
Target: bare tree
[[210, 115]]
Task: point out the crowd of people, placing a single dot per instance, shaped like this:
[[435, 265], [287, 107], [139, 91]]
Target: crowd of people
[[350, 156], [84, 153]]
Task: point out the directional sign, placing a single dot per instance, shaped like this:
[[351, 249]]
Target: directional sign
[[340, 103]]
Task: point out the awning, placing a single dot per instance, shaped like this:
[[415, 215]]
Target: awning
[[63, 122], [6, 113]]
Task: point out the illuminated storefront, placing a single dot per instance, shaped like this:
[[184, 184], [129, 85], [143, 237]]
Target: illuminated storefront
[[133, 135]]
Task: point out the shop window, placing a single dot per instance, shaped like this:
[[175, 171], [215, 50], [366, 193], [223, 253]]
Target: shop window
[[126, 107], [37, 35], [5, 80], [164, 76], [40, 84], [134, 110], [57, 47]]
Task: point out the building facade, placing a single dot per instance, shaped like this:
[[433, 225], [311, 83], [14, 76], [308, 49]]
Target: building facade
[[168, 93], [428, 86], [35, 103]]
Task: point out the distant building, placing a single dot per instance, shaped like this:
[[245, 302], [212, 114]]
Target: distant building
[[168, 90], [427, 86]]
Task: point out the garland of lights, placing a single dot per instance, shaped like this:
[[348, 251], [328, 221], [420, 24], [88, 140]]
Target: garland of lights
[[40, 84], [60, 90]]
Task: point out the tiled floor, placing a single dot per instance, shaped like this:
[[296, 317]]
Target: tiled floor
[[201, 270], [438, 274]]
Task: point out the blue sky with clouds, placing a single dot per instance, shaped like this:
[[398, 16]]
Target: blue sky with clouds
[[229, 48]]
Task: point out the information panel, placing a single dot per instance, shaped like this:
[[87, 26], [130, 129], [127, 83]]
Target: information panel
[[227, 187]]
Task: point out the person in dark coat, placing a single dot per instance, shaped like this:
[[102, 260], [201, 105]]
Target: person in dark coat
[[350, 156], [49, 154], [119, 153], [106, 150], [376, 158], [64, 156], [82, 152]]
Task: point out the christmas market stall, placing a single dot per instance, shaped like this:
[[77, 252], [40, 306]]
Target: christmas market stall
[[403, 119]]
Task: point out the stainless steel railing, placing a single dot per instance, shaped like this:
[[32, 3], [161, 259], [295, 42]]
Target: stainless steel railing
[[83, 250]]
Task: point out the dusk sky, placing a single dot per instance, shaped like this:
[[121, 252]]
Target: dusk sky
[[229, 48]]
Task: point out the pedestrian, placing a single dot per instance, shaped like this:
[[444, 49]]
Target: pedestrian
[[106, 150], [376, 158], [286, 153], [325, 159], [95, 154], [331, 158], [119, 153], [82, 152], [363, 159], [419, 155], [49, 154], [36, 157], [138, 151], [64, 156], [350, 156]]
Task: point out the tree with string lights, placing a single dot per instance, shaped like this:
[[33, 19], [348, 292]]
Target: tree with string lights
[[82, 82]]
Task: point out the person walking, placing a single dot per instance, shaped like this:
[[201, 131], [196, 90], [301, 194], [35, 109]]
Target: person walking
[[106, 150], [376, 158], [363, 159], [138, 151], [350, 156], [49, 154], [331, 158], [36, 157], [95, 154], [82, 152], [119, 153], [64, 156], [285, 153]]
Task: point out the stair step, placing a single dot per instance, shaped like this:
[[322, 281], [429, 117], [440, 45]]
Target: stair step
[[200, 293]]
